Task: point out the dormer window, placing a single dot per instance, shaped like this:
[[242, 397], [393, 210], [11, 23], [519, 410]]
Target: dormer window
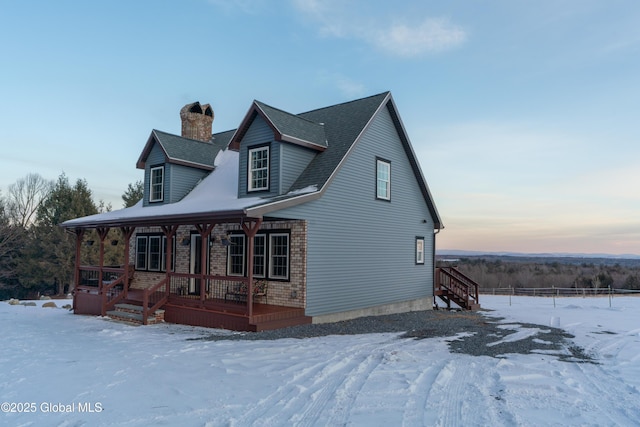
[[258, 178], [156, 184]]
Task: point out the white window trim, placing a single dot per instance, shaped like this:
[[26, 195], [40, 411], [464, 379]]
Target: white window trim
[[159, 253], [420, 250], [143, 239], [268, 256], [250, 169], [264, 256], [152, 184], [387, 165], [229, 272], [271, 263]]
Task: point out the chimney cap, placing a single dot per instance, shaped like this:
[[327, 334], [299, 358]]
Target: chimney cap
[[197, 121]]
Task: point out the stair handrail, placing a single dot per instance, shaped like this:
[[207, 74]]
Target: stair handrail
[[107, 303], [467, 281], [145, 300], [461, 285]]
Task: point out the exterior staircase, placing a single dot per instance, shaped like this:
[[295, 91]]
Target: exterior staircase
[[131, 314], [453, 286]]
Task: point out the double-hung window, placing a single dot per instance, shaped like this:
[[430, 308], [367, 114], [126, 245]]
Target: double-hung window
[[279, 256], [235, 255], [141, 252], [155, 252], [270, 255], [260, 255], [258, 178], [156, 184], [419, 250], [151, 253], [383, 179]]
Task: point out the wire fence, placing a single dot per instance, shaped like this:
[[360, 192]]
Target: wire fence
[[559, 292]]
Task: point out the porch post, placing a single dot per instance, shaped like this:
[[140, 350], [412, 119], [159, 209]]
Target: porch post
[[102, 233], [170, 233], [204, 230], [251, 229], [127, 232], [76, 280]]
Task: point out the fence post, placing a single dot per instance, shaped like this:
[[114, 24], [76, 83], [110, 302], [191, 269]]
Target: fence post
[[553, 293], [609, 296]]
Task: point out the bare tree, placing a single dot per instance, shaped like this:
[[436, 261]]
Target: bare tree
[[25, 197]]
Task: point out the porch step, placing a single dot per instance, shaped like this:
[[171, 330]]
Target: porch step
[[132, 314]]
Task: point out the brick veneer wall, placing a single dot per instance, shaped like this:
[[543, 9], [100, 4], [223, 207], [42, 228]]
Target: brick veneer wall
[[291, 293]]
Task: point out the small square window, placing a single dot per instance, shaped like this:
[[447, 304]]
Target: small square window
[[383, 180]]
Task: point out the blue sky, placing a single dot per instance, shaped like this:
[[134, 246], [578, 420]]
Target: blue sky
[[524, 115]]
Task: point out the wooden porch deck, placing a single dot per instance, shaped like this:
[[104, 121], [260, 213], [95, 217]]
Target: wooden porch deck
[[218, 313]]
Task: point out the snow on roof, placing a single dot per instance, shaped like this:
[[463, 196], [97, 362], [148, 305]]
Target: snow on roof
[[217, 192]]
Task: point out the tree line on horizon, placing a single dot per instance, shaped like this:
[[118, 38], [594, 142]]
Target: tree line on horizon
[[36, 254], [497, 273]]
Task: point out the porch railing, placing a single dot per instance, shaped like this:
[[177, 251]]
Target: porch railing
[[107, 284], [215, 287]]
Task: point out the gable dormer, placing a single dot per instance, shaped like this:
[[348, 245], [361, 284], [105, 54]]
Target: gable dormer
[[173, 164], [275, 148]]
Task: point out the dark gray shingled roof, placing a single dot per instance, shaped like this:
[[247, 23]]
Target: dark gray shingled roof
[[343, 123], [293, 126], [191, 151]]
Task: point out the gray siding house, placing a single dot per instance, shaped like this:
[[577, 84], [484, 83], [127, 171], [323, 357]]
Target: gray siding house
[[290, 218]]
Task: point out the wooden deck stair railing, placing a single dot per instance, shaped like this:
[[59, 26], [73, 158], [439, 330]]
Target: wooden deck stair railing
[[115, 290], [155, 297], [453, 285]]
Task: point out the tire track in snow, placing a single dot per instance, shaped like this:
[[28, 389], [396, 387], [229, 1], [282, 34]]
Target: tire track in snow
[[419, 393], [311, 389], [343, 385], [450, 386], [621, 411], [462, 394], [347, 392]]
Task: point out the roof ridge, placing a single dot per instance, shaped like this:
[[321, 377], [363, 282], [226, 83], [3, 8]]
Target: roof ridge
[[346, 102], [182, 137], [288, 113]]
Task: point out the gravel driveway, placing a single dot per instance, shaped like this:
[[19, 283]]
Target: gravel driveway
[[476, 333]]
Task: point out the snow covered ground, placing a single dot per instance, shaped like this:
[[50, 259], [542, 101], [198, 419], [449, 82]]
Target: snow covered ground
[[57, 369]]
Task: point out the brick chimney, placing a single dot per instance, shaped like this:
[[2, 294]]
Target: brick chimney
[[197, 121]]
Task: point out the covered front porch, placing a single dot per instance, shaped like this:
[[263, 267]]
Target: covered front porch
[[185, 288]]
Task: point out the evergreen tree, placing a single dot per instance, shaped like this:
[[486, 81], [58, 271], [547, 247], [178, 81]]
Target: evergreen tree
[[48, 258], [133, 194]]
